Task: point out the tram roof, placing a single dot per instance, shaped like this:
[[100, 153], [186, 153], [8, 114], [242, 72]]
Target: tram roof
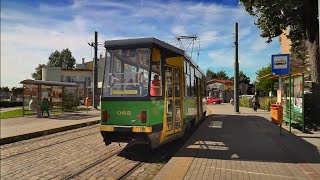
[[48, 83], [127, 43], [171, 51]]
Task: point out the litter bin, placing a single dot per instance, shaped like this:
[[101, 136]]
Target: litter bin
[[276, 114], [88, 102]]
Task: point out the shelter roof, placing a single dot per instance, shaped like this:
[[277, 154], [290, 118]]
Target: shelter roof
[[48, 83], [220, 81]]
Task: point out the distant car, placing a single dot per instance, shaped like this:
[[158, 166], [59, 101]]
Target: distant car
[[213, 100], [246, 96]]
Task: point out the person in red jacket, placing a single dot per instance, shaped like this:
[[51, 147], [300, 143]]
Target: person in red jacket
[[155, 89]]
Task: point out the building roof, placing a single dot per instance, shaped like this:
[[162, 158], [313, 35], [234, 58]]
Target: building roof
[[48, 83], [229, 82]]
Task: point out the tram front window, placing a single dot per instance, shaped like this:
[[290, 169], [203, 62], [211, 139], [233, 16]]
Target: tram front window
[[127, 73]]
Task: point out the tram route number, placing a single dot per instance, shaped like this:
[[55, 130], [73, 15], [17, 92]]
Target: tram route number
[[124, 113]]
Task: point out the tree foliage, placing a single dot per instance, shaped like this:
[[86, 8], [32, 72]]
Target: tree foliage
[[211, 74], [4, 89], [222, 75], [55, 59], [37, 75], [65, 56], [300, 16], [243, 78], [16, 91], [264, 85]]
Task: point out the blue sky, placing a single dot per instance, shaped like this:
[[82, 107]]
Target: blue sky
[[31, 30]]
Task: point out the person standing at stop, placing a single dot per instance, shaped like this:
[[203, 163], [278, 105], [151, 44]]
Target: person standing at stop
[[44, 106]]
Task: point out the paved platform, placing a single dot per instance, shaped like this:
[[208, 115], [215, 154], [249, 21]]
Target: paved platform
[[21, 128], [244, 146]]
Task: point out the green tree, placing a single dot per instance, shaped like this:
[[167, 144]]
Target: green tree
[[300, 16], [55, 59], [222, 75], [4, 89], [211, 74], [37, 75], [243, 78], [66, 57], [264, 85], [16, 91]]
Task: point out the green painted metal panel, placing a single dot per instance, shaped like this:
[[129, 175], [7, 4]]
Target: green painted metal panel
[[127, 112]]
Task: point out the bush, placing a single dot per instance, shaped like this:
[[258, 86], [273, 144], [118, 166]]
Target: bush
[[5, 104], [69, 101], [265, 102], [244, 102]]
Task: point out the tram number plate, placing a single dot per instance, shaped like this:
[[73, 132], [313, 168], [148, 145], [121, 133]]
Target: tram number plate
[[123, 129]]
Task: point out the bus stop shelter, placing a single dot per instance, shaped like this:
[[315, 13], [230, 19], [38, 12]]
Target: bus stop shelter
[[52, 90], [290, 94]]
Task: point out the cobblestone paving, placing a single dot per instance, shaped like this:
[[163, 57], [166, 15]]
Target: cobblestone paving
[[61, 155], [242, 146], [47, 157], [253, 150], [21, 147]]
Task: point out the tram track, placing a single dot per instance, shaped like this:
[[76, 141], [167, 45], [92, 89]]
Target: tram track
[[132, 170], [94, 164]]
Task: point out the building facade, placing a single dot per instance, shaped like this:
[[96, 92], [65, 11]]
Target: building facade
[[81, 74]]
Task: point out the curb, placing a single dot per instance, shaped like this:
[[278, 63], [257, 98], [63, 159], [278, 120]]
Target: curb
[[22, 137]]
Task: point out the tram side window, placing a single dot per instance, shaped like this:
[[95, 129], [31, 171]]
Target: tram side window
[[193, 93], [156, 83], [187, 79]]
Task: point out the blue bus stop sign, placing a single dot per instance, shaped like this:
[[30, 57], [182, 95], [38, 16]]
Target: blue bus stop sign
[[280, 64]]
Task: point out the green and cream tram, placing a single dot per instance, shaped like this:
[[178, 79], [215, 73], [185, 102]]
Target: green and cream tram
[[152, 92]]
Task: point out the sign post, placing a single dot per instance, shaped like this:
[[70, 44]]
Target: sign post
[[280, 65]]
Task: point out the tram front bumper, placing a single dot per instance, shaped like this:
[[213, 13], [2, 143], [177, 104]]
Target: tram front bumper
[[127, 134]]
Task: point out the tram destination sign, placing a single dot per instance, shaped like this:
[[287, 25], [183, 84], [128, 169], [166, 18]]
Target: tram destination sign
[[280, 64]]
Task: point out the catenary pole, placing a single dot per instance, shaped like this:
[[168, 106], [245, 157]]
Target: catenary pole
[[236, 70], [95, 71]]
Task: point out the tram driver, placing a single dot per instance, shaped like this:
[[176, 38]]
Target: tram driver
[[155, 89]]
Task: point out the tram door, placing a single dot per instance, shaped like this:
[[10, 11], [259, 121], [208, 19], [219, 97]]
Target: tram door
[[173, 79]]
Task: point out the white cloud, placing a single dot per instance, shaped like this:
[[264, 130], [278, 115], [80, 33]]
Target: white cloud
[[259, 44], [33, 34]]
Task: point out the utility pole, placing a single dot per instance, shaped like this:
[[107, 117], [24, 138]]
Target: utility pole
[[95, 71], [236, 70]]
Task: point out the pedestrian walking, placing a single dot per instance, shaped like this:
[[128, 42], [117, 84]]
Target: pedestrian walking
[[255, 102]]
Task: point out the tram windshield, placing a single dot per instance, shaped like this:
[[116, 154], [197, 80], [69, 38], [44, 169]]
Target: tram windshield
[[127, 73]]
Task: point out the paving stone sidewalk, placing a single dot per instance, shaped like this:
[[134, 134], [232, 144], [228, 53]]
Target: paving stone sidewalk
[[243, 146]]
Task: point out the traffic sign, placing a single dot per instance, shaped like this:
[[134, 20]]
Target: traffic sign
[[280, 64]]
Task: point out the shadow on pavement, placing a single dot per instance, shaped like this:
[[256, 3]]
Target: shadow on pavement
[[249, 137]]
